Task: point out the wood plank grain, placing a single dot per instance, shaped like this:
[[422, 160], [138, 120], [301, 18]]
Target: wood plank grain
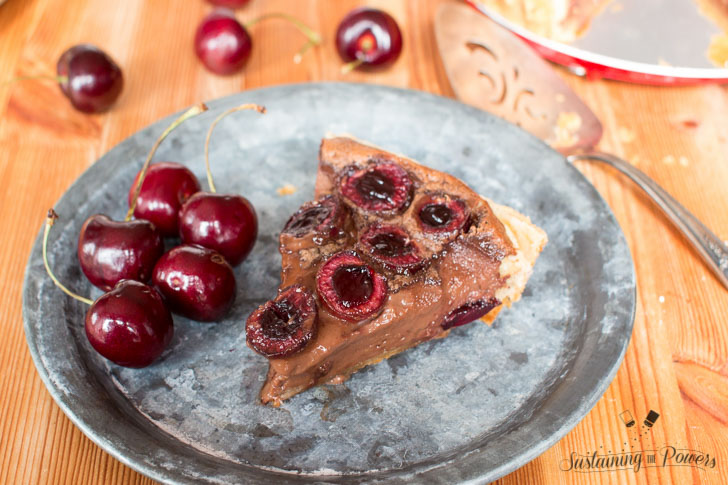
[[677, 362]]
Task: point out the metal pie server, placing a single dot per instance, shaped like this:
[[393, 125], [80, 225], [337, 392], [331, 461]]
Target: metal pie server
[[491, 69]]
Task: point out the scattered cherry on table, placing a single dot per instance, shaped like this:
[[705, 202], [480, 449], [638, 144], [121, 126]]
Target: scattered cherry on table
[[368, 37], [229, 3], [224, 45], [89, 78]]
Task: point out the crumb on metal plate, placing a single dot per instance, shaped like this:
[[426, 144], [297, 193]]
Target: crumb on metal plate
[[287, 189]]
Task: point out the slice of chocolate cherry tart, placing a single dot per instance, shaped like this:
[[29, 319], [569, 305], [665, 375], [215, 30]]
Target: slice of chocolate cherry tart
[[388, 255]]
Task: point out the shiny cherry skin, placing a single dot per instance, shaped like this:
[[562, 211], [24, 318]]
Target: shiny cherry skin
[[224, 223], [369, 35], [166, 186], [110, 251], [129, 325], [92, 80], [196, 282], [222, 43], [229, 3]]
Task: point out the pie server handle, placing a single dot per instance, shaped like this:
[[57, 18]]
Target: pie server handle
[[713, 251]]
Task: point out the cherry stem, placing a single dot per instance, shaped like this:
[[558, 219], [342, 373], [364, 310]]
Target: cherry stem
[[259, 109], [194, 111], [314, 38], [60, 79], [50, 219], [350, 66]]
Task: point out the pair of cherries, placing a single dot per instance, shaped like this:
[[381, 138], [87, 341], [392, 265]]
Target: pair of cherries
[[364, 37], [131, 324]]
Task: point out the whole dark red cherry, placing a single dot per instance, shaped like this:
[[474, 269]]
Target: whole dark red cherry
[[229, 3], [110, 251], [167, 185], [224, 223], [129, 325], [89, 78], [370, 37], [196, 282], [222, 43]]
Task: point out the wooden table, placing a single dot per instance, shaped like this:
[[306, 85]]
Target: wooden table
[[676, 364]]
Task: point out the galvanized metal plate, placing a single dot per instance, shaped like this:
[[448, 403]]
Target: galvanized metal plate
[[474, 406]]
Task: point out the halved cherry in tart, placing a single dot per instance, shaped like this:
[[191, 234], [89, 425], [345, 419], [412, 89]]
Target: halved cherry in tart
[[350, 288], [442, 214], [324, 217], [469, 312], [392, 247], [381, 186], [285, 325]]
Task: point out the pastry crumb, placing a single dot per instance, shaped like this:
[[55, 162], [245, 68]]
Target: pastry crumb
[[663, 62], [616, 7], [662, 299], [718, 50], [683, 161], [287, 189], [668, 160], [560, 98], [625, 134]]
